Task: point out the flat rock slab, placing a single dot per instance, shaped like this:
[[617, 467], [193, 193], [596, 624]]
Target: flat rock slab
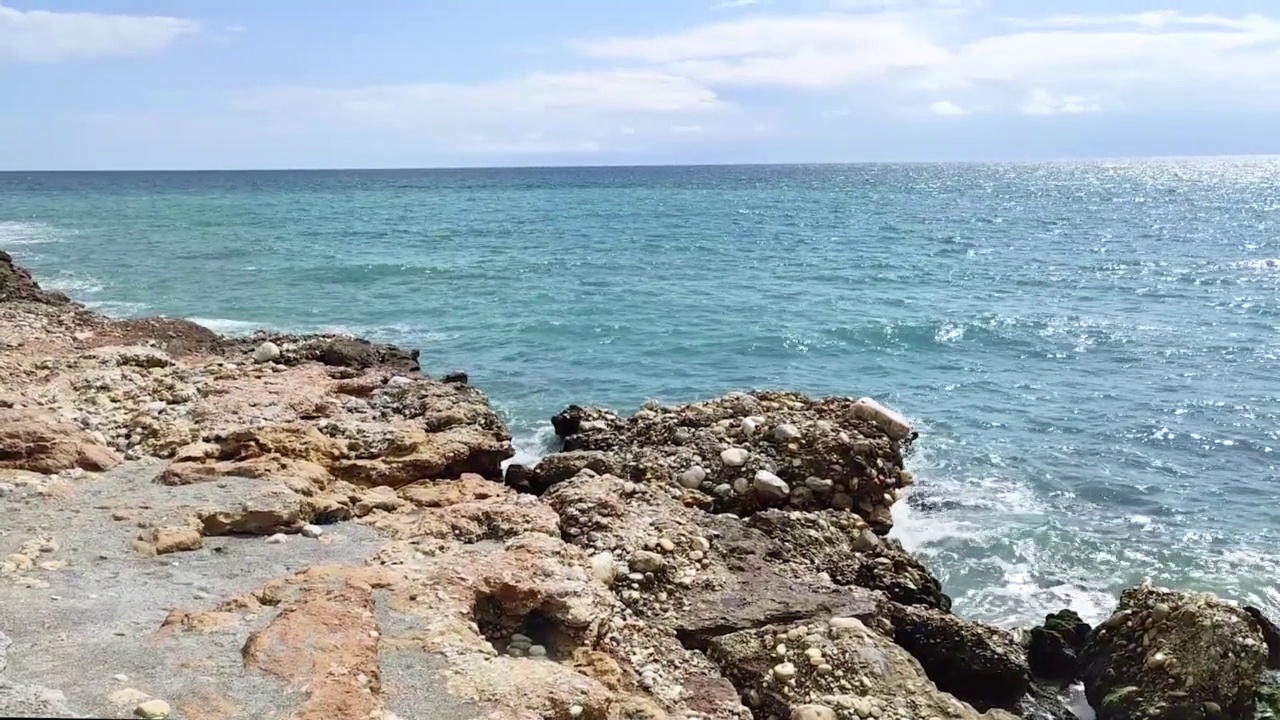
[[74, 628]]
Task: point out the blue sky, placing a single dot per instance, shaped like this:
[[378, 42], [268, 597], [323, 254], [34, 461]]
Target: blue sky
[[97, 84]]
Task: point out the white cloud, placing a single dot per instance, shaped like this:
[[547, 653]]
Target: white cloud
[[804, 51], [1042, 102], [730, 4], [38, 36], [946, 107]]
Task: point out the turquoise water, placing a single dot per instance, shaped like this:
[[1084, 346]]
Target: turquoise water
[[1091, 350]]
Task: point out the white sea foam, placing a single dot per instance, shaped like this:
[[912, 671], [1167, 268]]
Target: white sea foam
[[14, 233], [532, 447], [227, 326], [76, 285]]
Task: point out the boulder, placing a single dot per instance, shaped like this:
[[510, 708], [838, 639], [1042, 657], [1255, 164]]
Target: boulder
[[1167, 655], [757, 450], [1271, 633], [983, 665], [559, 467], [1053, 648], [839, 664], [36, 440]]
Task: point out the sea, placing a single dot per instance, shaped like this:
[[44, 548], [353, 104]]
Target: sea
[[1090, 350]]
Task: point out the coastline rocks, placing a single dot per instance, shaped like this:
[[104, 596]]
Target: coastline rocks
[[339, 351], [17, 285], [757, 450], [1167, 655], [36, 440], [1053, 649], [1271, 633]]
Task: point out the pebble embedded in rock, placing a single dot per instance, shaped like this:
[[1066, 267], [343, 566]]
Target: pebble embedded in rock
[[786, 432], [266, 352], [734, 457], [693, 477], [602, 567], [645, 561], [784, 671], [152, 710], [399, 380], [277, 539], [312, 531], [771, 487], [537, 651]]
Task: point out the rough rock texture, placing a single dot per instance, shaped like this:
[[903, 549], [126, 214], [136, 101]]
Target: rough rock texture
[[983, 665], [839, 664], [1053, 648], [38, 441], [746, 452], [16, 284], [1166, 654], [1271, 633]]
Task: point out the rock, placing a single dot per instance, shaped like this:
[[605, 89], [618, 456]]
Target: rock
[[1053, 648], [982, 665], [559, 467], [887, 679], [311, 531], [770, 488], [16, 285], [692, 478], [786, 432], [455, 378], [267, 513], [1271, 633], [277, 539], [152, 710], [891, 422], [840, 456], [1205, 653], [170, 539], [813, 712], [266, 352], [37, 441], [647, 562]]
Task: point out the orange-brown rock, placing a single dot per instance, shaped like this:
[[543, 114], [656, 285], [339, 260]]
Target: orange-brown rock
[[273, 510], [326, 644], [171, 539], [199, 621], [36, 440]]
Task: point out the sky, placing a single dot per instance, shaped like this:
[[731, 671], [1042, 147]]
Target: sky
[[190, 84]]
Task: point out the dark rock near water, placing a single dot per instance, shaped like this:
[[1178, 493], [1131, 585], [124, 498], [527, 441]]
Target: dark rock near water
[[1053, 648], [456, 378], [982, 665], [1270, 633], [17, 285], [1167, 655]]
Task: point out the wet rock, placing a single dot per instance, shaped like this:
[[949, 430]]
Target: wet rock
[[1166, 655], [37, 441], [982, 665], [1271, 633], [1053, 648], [455, 378]]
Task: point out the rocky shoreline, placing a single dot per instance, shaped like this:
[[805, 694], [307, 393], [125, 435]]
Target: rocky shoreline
[[312, 527]]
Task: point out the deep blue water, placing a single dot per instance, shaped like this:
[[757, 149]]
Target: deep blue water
[[1091, 350]]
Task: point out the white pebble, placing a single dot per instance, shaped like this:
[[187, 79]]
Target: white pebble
[[692, 478], [786, 432], [770, 486], [277, 539], [399, 380], [734, 457], [266, 352], [312, 531], [784, 671], [749, 427]]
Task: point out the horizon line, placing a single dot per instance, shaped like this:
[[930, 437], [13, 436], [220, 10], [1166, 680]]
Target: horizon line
[[624, 166]]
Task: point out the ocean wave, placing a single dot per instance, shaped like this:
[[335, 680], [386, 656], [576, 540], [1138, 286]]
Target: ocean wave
[[76, 285], [14, 233], [227, 326]]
